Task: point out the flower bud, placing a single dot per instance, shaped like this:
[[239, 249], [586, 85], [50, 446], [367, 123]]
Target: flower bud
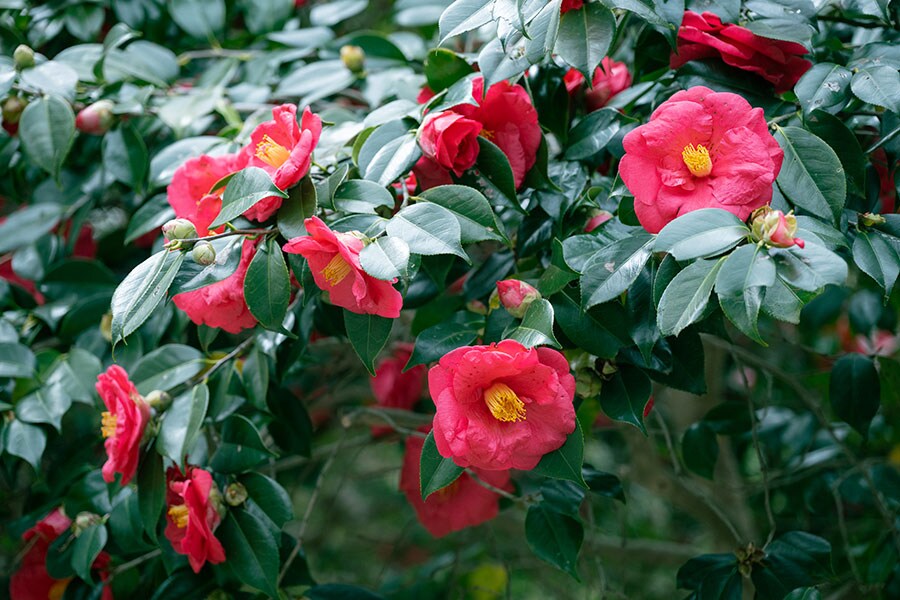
[[106, 327], [516, 296], [597, 219], [774, 228], [216, 500], [203, 253], [871, 219], [158, 399], [12, 109], [85, 520], [179, 229], [235, 494], [95, 119], [353, 58], [477, 306], [23, 57]]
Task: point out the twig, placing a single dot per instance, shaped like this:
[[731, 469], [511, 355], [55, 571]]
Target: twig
[[133, 563]]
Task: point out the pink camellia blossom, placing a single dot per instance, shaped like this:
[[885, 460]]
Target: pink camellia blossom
[[394, 388], [283, 148], [95, 119], [192, 515], [516, 296], [464, 503], [190, 192], [705, 36], [598, 219], [610, 78], [333, 258], [568, 5], [774, 228], [700, 149], [451, 140], [501, 406], [124, 422]]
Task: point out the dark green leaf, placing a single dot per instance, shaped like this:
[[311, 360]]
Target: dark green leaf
[[614, 268], [625, 394], [24, 226], [877, 258], [585, 37], [387, 258], [435, 471], [361, 196], [241, 447], [554, 537], [477, 221], [368, 334], [811, 176], [701, 234], [251, 549], [593, 133], [686, 297], [299, 206], [125, 155], [151, 486], [244, 190], [823, 87], [855, 390], [25, 441], [443, 68], [141, 291], [47, 131], [566, 461], [700, 449], [267, 286], [428, 229], [536, 328], [166, 367], [878, 85], [86, 548], [461, 330], [181, 424]]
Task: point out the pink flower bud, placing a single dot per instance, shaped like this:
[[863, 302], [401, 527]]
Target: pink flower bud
[[95, 119], [774, 228], [599, 218], [516, 296]]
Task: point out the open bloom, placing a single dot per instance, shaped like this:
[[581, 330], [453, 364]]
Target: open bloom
[[700, 149], [451, 140], [610, 78], [283, 148], [705, 36], [190, 192], [123, 424], [463, 503], [502, 406], [333, 258], [192, 515]]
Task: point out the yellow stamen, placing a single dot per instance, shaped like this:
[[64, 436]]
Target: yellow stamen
[[336, 270], [58, 589], [271, 152], [504, 404], [108, 424], [488, 135], [697, 160], [179, 515]]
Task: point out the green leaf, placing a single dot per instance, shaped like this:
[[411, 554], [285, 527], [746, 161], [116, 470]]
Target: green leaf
[[701, 234], [241, 448], [387, 258], [878, 85], [332, 13], [270, 496], [612, 270], [686, 297], [554, 537], [141, 291], [255, 377], [460, 330], [86, 548], [536, 328], [741, 287], [201, 19], [428, 229], [193, 276], [46, 404], [125, 155], [25, 441], [625, 394], [810, 268], [877, 258], [463, 16], [267, 286], [361, 196], [181, 424], [24, 226], [245, 189], [393, 160], [151, 490], [477, 221], [585, 37], [700, 449], [251, 549], [712, 576], [435, 471], [166, 367], [588, 330], [443, 68], [16, 360], [845, 144], [823, 87], [793, 560], [593, 133], [811, 176], [368, 334], [494, 166], [151, 215], [855, 390], [301, 204], [47, 131], [566, 461]]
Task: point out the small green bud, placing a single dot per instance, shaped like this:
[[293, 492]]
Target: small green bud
[[23, 57], [85, 520], [235, 494], [12, 109], [158, 400], [203, 253], [871, 219], [353, 57], [179, 229]]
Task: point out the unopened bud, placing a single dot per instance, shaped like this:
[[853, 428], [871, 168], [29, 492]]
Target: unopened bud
[[23, 56], [106, 327], [216, 500], [353, 58], [12, 109], [477, 306], [85, 520], [608, 369], [97, 118], [774, 228], [158, 399], [235, 494], [587, 384], [871, 219], [203, 253], [179, 229], [516, 296], [597, 219]]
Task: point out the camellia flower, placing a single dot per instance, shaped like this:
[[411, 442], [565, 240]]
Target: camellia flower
[[95, 119], [774, 228], [190, 192], [333, 258], [464, 503], [124, 422], [516, 296], [391, 386], [450, 140], [598, 219], [283, 148], [193, 515], [705, 36], [568, 5], [700, 149], [31, 581], [502, 406], [610, 78], [880, 343]]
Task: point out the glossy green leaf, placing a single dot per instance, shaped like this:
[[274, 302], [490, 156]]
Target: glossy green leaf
[[267, 286], [443, 68], [47, 132], [181, 424], [877, 258], [536, 328], [686, 297], [435, 471], [125, 155], [460, 330], [625, 394], [301, 203], [701, 234], [611, 271], [427, 229], [566, 461], [251, 549], [141, 291], [554, 537], [811, 176], [593, 133], [700, 449], [151, 490], [241, 447], [585, 37], [166, 367], [244, 190], [85, 549], [361, 196], [477, 221], [855, 390], [878, 85], [823, 87], [368, 334]]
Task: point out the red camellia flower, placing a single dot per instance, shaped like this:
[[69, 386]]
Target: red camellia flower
[[700, 149], [516, 296], [31, 581], [192, 516], [283, 148], [190, 192], [451, 140], [334, 261], [391, 386], [568, 5], [502, 406], [598, 219], [463, 503], [610, 78], [705, 36], [124, 422]]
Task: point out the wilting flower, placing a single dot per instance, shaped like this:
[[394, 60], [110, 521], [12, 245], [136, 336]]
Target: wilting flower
[[610, 78], [700, 149], [283, 148], [333, 258], [516, 296], [463, 503], [774, 228], [502, 406], [190, 192], [193, 512], [705, 36], [123, 424], [450, 140]]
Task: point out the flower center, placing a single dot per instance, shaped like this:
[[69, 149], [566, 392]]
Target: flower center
[[504, 404], [58, 589], [487, 134], [271, 152], [179, 515], [697, 160], [108, 424], [336, 270]]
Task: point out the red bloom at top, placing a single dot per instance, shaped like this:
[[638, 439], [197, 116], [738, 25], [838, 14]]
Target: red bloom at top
[[502, 406], [334, 261], [610, 78], [700, 149], [190, 192], [283, 148], [568, 5], [31, 581], [192, 516], [124, 422], [463, 503], [705, 36]]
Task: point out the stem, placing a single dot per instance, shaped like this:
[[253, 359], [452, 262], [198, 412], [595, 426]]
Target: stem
[[854, 22], [226, 234], [133, 563]]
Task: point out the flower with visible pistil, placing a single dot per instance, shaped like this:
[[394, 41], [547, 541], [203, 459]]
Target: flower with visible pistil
[[502, 406], [123, 423]]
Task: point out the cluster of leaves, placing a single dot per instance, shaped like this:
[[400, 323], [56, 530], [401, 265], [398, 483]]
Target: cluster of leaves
[[636, 314]]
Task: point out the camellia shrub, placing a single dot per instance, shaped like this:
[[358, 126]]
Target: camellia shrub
[[449, 299]]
